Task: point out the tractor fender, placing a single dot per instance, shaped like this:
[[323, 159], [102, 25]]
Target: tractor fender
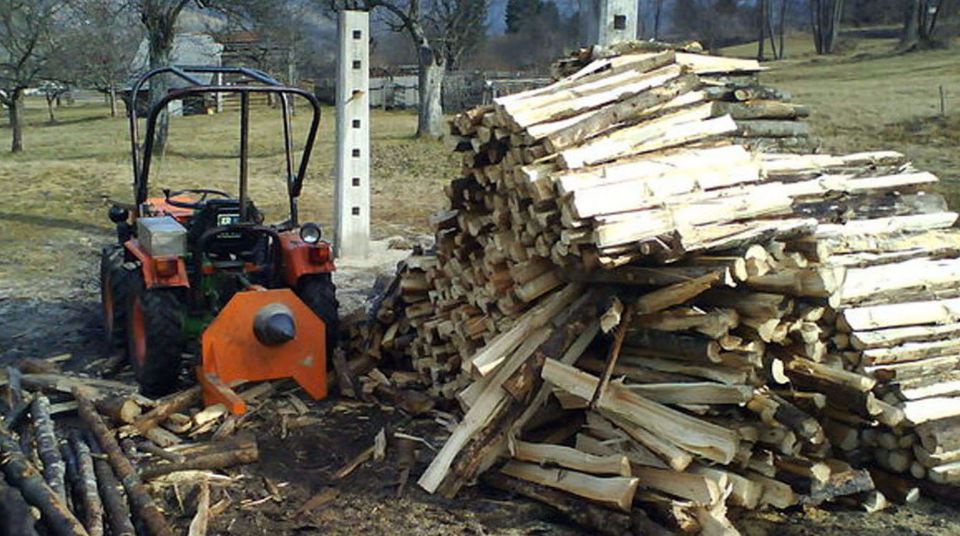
[[298, 260], [148, 265]]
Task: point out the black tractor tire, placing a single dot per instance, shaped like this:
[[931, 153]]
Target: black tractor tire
[[155, 342], [114, 286], [319, 293]]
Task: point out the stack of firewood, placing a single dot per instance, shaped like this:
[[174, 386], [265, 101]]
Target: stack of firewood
[[634, 306], [95, 475]]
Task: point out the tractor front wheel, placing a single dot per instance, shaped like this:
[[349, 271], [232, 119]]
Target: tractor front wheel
[[155, 340], [320, 295]]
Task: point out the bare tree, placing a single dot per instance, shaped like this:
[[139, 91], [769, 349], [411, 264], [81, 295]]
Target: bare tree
[[825, 18], [762, 7], [459, 26], [159, 18], [27, 45], [279, 31], [52, 92], [426, 25], [101, 46], [770, 22], [920, 21]]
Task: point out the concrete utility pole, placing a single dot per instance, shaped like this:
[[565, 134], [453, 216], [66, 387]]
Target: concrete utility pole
[[605, 22], [353, 136]]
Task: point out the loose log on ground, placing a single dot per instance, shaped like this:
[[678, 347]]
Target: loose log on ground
[[15, 515], [92, 505], [239, 451], [25, 477], [48, 447], [114, 500], [139, 497]]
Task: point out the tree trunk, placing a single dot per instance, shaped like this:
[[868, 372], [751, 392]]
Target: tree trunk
[[656, 19], [112, 98], [50, 102], [768, 21], [15, 109], [160, 23], [815, 19], [762, 27], [911, 32], [430, 113], [835, 16], [782, 28]]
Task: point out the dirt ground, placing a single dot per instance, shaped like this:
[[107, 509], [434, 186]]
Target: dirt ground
[[53, 201]]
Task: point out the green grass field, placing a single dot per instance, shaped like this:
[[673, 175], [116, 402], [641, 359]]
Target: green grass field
[[55, 194], [870, 97]]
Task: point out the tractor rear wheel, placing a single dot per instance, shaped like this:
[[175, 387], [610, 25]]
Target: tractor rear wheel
[[114, 284], [320, 295], [155, 340]]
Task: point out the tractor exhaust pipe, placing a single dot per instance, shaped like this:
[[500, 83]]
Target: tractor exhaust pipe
[[273, 325]]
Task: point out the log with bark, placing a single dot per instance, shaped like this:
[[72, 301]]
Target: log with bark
[[141, 500], [92, 505], [22, 474]]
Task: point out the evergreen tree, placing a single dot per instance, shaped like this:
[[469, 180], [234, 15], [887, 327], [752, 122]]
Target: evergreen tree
[[520, 13]]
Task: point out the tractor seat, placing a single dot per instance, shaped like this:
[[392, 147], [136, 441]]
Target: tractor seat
[[225, 246]]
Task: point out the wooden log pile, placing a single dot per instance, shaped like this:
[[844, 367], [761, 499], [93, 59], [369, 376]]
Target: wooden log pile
[[635, 307], [89, 476]]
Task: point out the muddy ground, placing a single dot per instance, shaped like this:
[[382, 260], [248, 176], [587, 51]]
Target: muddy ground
[[300, 453]]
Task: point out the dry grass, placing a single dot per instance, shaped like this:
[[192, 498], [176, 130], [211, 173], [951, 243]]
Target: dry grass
[[53, 196], [871, 97]]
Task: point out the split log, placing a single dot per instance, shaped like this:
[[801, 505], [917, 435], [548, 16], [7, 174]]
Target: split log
[[139, 497], [743, 491], [92, 506], [174, 403], [708, 440], [22, 474], [693, 393], [570, 458], [674, 345], [676, 294], [493, 354], [483, 430], [198, 525], [613, 491], [774, 410], [840, 484], [940, 435], [700, 489], [775, 493]]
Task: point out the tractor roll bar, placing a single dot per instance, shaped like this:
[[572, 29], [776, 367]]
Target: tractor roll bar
[[141, 169]]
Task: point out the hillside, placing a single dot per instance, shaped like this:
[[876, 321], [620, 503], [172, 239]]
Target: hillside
[[869, 96]]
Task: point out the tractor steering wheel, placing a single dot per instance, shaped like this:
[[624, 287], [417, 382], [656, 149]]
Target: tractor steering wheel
[[195, 205]]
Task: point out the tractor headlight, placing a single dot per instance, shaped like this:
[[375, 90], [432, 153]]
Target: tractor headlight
[[310, 233]]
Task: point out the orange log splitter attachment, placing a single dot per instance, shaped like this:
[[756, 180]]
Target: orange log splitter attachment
[[292, 345]]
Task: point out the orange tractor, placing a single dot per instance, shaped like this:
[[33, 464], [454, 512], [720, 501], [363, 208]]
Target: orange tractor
[[198, 269]]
